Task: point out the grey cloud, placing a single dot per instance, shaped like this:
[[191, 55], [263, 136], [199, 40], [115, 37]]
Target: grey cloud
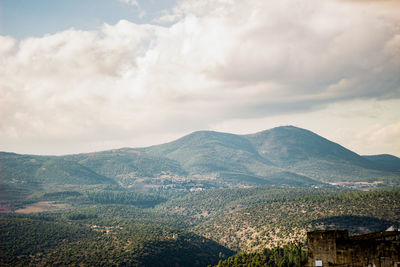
[[220, 61]]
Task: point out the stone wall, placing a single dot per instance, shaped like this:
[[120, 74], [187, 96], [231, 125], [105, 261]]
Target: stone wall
[[336, 248]]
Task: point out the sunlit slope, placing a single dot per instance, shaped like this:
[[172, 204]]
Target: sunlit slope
[[46, 170], [280, 156], [281, 220], [232, 157], [125, 165], [307, 153]]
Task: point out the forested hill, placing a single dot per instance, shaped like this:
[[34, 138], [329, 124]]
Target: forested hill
[[278, 219], [191, 202], [107, 235], [286, 155], [197, 229], [385, 161]]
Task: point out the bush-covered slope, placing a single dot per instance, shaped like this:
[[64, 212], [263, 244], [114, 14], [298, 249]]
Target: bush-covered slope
[[204, 205], [193, 230], [232, 157], [206, 151], [281, 156], [291, 255], [126, 165], [287, 219], [46, 170], [287, 145], [105, 236], [386, 162], [309, 154]]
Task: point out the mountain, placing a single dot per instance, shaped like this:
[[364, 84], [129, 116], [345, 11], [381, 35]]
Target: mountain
[[127, 165], [386, 162], [232, 157], [46, 170], [306, 153], [207, 151], [288, 145], [285, 155], [143, 206], [282, 155]]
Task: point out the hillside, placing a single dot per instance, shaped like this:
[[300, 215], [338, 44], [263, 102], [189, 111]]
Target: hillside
[[108, 235], [306, 153], [287, 145], [191, 202], [45, 171], [280, 155], [283, 156], [206, 151], [202, 206], [109, 227], [386, 162], [287, 218], [127, 165], [232, 157]]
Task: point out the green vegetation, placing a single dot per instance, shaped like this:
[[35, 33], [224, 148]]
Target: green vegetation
[[309, 154], [204, 205], [387, 162], [40, 173], [124, 197], [290, 255], [279, 221], [191, 202], [283, 156], [214, 152], [103, 236], [201, 228], [126, 165]]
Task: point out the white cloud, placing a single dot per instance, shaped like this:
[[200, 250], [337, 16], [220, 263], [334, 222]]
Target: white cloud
[[219, 62], [379, 137], [131, 2]]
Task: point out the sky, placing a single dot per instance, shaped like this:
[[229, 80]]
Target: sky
[[83, 76]]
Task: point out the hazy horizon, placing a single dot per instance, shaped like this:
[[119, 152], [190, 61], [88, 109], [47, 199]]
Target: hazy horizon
[[156, 144]]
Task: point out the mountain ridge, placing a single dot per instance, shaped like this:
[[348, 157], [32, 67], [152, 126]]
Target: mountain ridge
[[285, 155]]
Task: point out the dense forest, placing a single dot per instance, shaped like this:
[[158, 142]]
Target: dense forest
[[207, 198], [266, 226], [103, 236], [290, 255], [276, 222]]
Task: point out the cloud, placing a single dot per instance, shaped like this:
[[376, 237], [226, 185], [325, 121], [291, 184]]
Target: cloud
[[219, 61], [131, 2], [142, 13], [383, 138]]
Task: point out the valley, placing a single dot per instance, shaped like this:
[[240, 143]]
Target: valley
[[192, 202]]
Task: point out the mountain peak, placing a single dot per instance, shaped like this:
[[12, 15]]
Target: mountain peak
[[287, 145], [281, 155], [285, 129]]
